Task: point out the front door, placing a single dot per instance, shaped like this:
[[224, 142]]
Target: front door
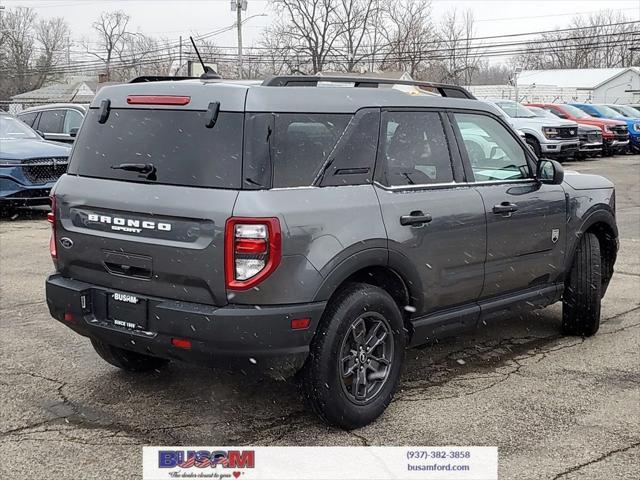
[[435, 223], [525, 218]]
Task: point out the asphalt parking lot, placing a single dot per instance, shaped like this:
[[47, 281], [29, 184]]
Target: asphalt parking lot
[[557, 407]]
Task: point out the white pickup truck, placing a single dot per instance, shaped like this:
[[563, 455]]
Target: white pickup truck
[[547, 137]]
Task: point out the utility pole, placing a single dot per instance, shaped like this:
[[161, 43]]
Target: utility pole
[[179, 58], [238, 6]]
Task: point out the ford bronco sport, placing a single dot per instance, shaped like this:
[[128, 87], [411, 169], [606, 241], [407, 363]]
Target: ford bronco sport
[[321, 223]]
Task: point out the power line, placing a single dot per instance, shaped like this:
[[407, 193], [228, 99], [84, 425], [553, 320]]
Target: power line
[[473, 51]]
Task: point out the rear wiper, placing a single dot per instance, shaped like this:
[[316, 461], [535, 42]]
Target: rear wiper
[[147, 169]]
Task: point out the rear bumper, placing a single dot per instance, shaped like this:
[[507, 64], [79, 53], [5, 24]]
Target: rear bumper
[[231, 331]]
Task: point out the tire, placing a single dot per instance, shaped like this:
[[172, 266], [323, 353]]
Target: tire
[[583, 290], [535, 145], [357, 312], [127, 360]]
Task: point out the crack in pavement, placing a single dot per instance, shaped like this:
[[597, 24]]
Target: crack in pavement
[[275, 428], [419, 390], [364, 440], [631, 274], [596, 460]]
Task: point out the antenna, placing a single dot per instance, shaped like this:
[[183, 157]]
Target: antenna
[[209, 73]]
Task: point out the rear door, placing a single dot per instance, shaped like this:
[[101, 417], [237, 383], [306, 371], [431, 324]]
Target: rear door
[[525, 218], [435, 223], [156, 231], [51, 124]]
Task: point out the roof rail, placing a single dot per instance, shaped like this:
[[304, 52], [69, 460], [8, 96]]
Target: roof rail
[[158, 78], [445, 90]]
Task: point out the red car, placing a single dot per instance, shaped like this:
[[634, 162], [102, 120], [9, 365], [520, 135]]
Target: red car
[[615, 135]]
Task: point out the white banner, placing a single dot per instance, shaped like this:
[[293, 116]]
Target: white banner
[[321, 463]]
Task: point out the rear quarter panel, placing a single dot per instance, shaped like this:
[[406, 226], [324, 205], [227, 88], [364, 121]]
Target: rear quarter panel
[[322, 227]]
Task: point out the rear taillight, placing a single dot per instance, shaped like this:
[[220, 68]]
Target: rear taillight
[[51, 218], [252, 251]]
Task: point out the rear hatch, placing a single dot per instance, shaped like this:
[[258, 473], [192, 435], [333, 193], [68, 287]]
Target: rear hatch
[[149, 189]]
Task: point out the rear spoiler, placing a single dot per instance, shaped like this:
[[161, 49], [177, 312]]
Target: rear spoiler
[[445, 90], [157, 78]]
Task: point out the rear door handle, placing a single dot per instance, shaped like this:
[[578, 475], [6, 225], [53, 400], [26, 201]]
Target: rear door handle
[[505, 207], [415, 218]]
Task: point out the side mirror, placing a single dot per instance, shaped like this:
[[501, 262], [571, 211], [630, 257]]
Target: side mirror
[[550, 171], [73, 132]]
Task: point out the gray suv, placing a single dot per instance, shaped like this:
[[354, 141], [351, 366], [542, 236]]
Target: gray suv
[[314, 224]]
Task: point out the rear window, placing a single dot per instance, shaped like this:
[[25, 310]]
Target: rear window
[[301, 145], [176, 142]]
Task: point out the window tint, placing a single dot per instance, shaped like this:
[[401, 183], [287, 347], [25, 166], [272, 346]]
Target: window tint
[[73, 119], [51, 121], [177, 143], [354, 157], [28, 118], [493, 152], [301, 145], [414, 149]]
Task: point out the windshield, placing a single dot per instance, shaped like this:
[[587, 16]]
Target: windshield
[[541, 112], [12, 129], [627, 111], [171, 147], [607, 111], [576, 112], [515, 110]]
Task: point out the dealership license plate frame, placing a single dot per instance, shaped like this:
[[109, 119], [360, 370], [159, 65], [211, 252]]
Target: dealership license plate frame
[[125, 313]]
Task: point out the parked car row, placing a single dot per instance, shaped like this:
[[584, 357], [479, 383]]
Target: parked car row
[[566, 131], [32, 159]]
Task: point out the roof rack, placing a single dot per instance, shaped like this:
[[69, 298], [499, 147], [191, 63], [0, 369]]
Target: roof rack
[[453, 91], [157, 78]]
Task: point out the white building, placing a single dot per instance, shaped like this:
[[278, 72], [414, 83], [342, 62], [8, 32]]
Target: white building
[[593, 85]]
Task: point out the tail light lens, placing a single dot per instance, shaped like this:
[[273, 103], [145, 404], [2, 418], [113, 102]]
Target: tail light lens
[[51, 218], [253, 247]]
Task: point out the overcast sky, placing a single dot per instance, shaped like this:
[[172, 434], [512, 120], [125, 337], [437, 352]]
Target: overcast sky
[[172, 18]]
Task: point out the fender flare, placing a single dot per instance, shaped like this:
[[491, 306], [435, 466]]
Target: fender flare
[[374, 257], [600, 213]]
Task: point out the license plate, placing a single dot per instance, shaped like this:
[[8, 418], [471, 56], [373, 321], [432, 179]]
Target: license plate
[[129, 311]]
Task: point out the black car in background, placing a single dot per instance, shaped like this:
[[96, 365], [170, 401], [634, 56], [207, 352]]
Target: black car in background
[[29, 165], [59, 122]]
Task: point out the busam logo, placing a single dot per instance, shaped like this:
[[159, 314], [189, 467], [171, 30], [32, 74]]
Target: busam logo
[[234, 459], [131, 225]]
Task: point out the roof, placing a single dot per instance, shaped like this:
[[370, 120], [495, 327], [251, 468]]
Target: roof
[[580, 78], [48, 106], [78, 92], [256, 98]]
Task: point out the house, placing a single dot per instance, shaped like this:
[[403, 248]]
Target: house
[[75, 90], [602, 85], [593, 85]]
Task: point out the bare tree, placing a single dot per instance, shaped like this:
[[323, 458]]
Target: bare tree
[[602, 40], [311, 25], [461, 58], [18, 47], [357, 20], [53, 35], [111, 29], [409, 35]]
